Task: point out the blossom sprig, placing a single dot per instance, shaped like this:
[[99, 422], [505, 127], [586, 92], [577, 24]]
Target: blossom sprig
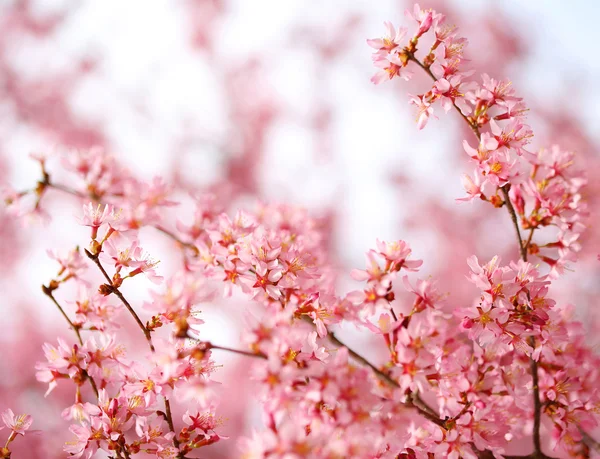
[[539, 190], [379, 293], [545, 182], [17, 425]]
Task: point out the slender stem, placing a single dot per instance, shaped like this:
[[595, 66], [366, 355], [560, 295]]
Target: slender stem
[[513, 216], [537, 405], [172, 235], [170, 421], [529, 238], [65, 189], [48, 292], [117, 292], [236, 351]]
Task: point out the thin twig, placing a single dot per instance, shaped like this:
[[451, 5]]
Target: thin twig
[[170, 421], [48, 292], [117, 292], [537, 405], [513, 216], [172, 235], [529, 238], [236, 351]]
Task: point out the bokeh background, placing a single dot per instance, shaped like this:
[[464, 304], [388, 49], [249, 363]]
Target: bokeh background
[[271, 100]]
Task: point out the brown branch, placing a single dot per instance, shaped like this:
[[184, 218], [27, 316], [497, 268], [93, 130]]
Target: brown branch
[[236, 351], [169, 417], [118, 293], [537, 405], [172, 235], [513, 216], [48, 292], [66, 189], [413, 402]]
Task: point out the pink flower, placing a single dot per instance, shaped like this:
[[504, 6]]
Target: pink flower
[[89, 438], [515, 135], [96, 216], [18, 424], [396, 254], [426, 292], [472, 187], [390, 41], [133, 257], [266, 279], [72, 264], [373, 273], [423, 17], [424, 110], [451, 90], [391, 66]]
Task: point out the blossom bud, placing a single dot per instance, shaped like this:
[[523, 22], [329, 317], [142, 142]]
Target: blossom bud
[[425, 24], [95, 247], [117, 280], [105, 289]]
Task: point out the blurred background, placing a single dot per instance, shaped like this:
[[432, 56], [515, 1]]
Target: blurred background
[[271, 100]]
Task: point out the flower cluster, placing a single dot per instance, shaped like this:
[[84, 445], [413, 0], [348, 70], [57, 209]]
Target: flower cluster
[[544, 187], [450, 379]]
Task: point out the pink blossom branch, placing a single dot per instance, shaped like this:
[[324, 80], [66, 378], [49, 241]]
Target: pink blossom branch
[[117, 292], [537, 406], [413, 402], [93, 197], [48, 292], [47, 183], [112, 289], [473, 126], [169, 418]]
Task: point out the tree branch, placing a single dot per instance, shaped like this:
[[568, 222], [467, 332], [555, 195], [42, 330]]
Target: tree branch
[[118, 293], [537, 406]]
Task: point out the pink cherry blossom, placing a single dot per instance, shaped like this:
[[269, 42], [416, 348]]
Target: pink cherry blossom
[[392, 40], [17, 424]]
